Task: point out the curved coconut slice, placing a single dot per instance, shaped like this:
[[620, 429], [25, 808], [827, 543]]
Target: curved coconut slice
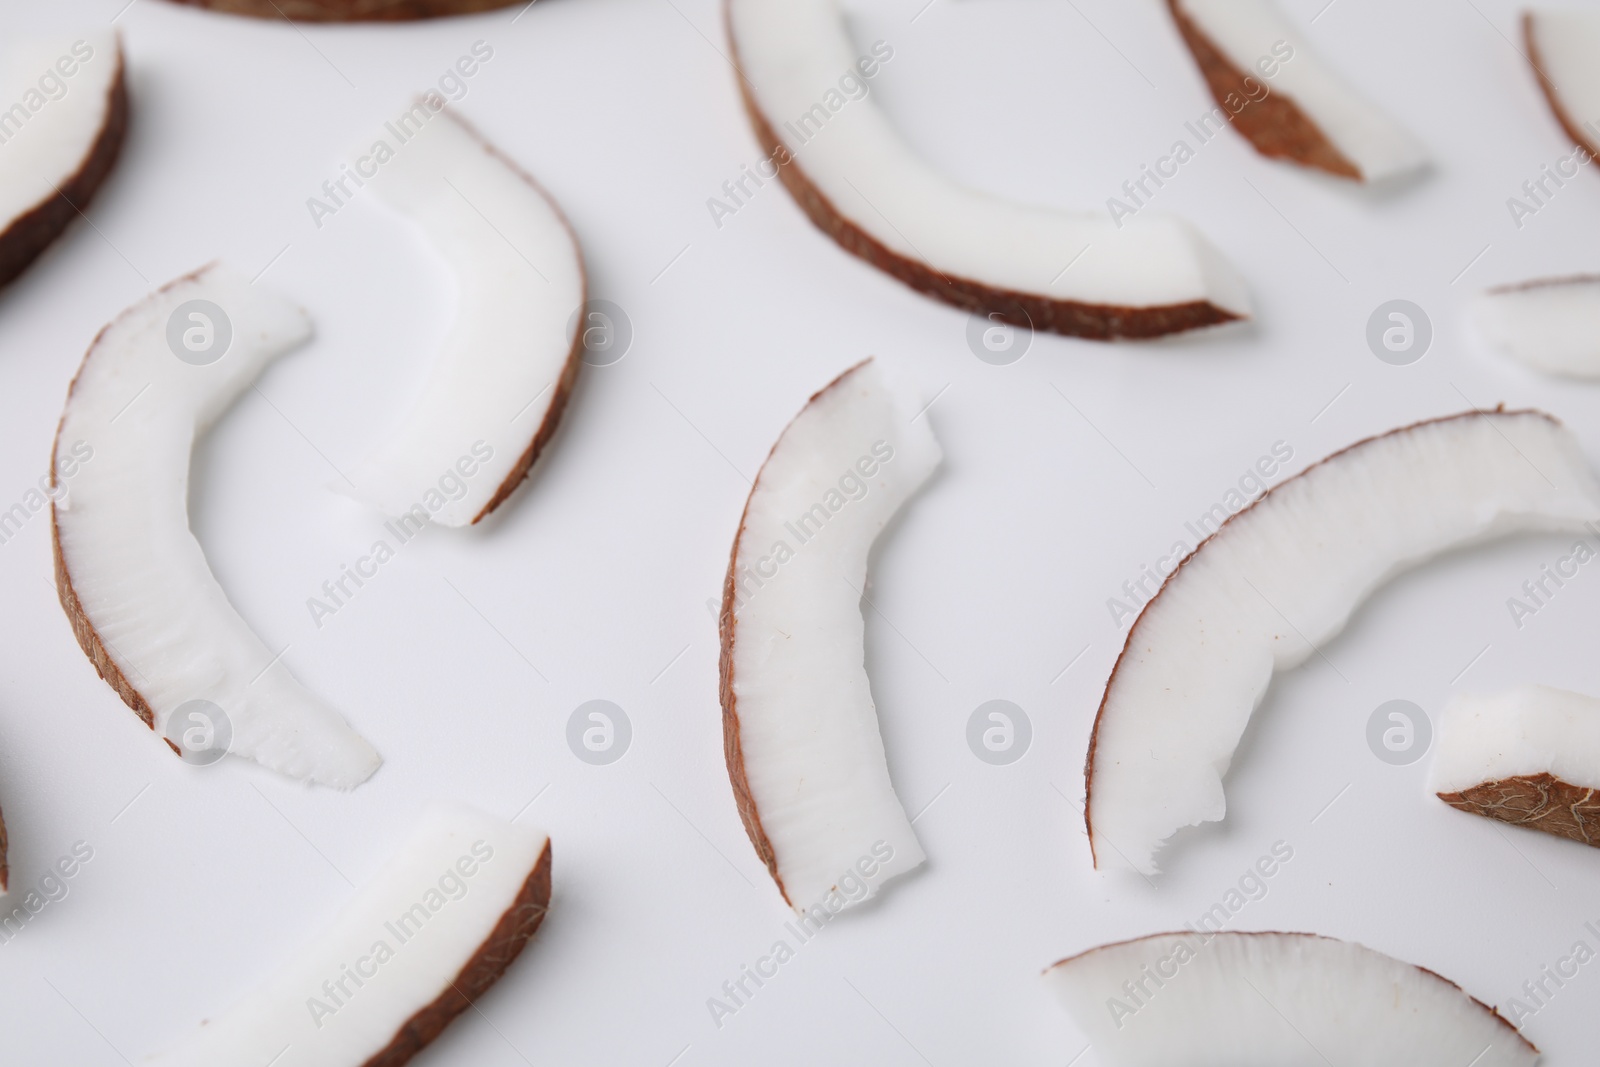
[[1552, 324], [800, 730], [1279, 579], [1530, 757], [349, 10], [1275, 1000], [133, 580], [67, 112], [863, 186], [1562, 47], [1285, 100], [436, 927], [497, 391], [5, 870]]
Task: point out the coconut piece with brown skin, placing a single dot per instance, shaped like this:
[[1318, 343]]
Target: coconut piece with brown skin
[[1529, 757], [350, 10], [1290, 105], [1550, 324], [413, 949], [804, 86], [63, 117], [1563, 47]]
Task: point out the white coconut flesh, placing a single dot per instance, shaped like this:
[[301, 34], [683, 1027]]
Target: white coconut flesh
[[1275, 1000], [1246, 31], [395, 947], [520, 286], [1522, 732], [1563, 46], [1280, 580], [52, 119], [807, 726], [1551, 325], [793, 54], [122, 529]]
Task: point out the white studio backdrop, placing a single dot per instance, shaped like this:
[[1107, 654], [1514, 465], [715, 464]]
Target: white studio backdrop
[[1067, 472]]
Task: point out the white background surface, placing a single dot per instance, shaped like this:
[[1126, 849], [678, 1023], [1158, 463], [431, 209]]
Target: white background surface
[[594, 583]]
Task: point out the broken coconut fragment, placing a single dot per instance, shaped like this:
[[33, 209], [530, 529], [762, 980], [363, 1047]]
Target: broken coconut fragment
[[1284, 99], [428, 935], [1281, 578], [68, 111], [1530, 757], [800, 731], [862, 185], [1562, 47], [1231, 999], [496, 392], [1552, 324], [349, 10], [133, 580]]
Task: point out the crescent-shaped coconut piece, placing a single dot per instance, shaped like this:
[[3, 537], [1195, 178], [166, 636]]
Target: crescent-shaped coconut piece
[[1563, 48], [5, 869], [428, 935], [1550, 324], [862, 185], [497, 391], [800, 730], [1204, 999], [1530, 757], [1284, 99], [65, 113], [350, 10], [1277, 580], [134, 581]]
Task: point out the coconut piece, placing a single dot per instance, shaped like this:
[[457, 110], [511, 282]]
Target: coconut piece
[[1229, 999], [1562, 47], [63, 113], [1279, 579], [350, 10], [1551, 324], [800, 730], [862, 185], [5, 870], [427, 936], [495, 394], [1284, 99], [134, 581], [1529, 756]]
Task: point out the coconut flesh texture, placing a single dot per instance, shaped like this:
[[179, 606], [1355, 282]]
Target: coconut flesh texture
[[1563, 47], [1246, 32], [1551, 325], [793, 54], [1275, 1000], [440, 921], [800, 728], [50, 133], [133, 579], [1280, 579], [495, 392], [1529, 756]]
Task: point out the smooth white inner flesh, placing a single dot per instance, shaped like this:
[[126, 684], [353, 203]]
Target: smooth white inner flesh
[[1274, 1000], [49, 121], [1526, 731], [1552, 326], [1568, 43], [794, 53], [809, 729], [1245, 31], [520, 283], [406, 936], [1284, 576], [138, 572]]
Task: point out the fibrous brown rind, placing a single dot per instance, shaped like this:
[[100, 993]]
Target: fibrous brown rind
[[1095, 322], [5, 871], [1274, 125], [504, 943], [1539, 802], [30, 234], [349, 10]]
